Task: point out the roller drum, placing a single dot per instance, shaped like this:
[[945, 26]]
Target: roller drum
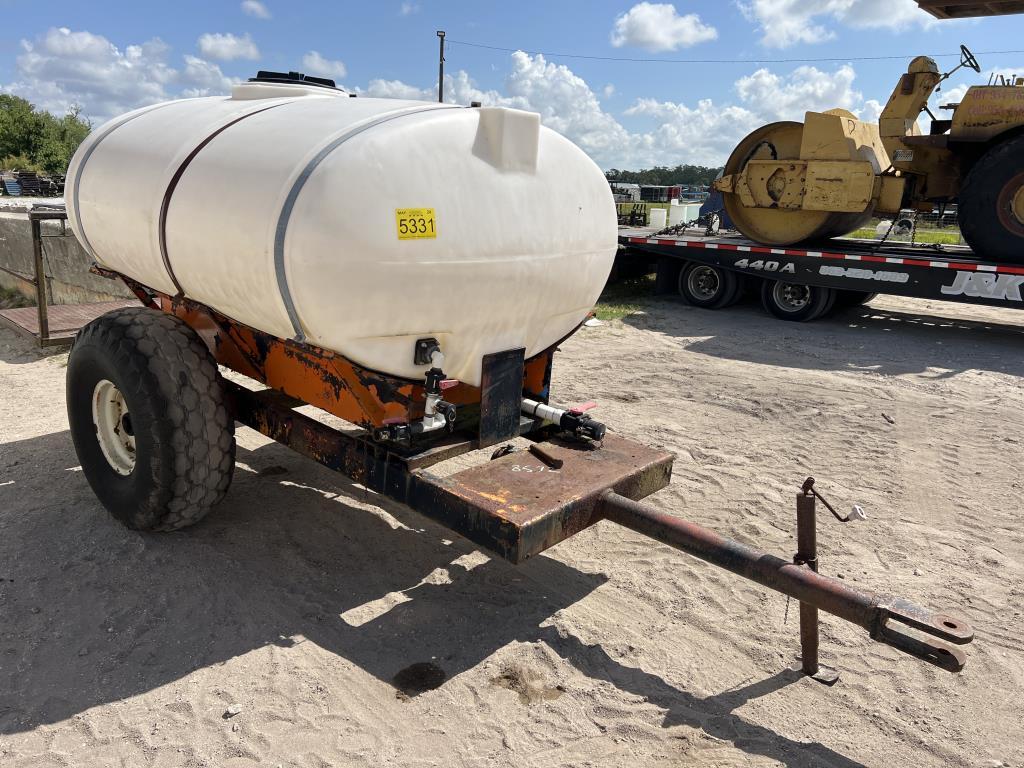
[[778, 226]]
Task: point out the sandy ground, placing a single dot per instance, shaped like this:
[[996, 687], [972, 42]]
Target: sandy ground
[[299, 600]]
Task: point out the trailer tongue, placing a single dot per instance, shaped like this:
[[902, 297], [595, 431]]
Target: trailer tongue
[[516, 506]]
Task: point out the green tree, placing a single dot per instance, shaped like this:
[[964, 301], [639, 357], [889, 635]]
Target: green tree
[[665, 176], [32, 139], [60, 138], [20, 126]]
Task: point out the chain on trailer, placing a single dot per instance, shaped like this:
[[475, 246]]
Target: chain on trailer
[[711, 221]]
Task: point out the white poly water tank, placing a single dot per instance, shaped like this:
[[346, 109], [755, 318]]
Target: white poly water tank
[[658, 217], [358, 225], [683, 213]]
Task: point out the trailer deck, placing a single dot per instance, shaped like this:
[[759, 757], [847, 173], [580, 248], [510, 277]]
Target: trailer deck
[[943, 273]]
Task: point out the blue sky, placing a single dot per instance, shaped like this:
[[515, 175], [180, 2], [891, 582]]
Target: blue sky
[[109, 57]]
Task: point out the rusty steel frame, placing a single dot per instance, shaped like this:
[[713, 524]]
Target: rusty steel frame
[[807, 555], [513, 506], [520, 503], [517, 507], [886, 618], [320, 377]]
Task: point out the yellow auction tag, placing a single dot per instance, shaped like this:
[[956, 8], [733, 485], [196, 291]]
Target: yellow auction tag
[[415, 223]]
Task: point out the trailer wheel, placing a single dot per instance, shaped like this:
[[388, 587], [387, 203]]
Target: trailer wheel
[[991, 204], [848, 299], [703, 285], [148, 419], [792, 301]]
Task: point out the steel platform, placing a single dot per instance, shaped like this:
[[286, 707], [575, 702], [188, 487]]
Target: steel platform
[[65, 320]]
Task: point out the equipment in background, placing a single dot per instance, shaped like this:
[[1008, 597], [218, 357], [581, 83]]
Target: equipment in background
[[652, 193], [634, 216], [624, 192], [714, 203], [790, 182]]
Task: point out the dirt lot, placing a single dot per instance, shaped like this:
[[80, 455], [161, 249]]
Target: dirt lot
[[300, 599]]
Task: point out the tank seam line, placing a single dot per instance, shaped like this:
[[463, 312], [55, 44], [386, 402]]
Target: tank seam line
[[293, 194], [81, 168], [173, 185]]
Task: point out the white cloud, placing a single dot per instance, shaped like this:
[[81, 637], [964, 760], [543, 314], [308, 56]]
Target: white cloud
[[608, 91], [202, 78], [786, 22], [227, 47], [704, 134], [318, 65], [255, 9], [408, 9], [665, 133], [870, 111], [658, 27], [63, 68], [396, 89], [806, 89]]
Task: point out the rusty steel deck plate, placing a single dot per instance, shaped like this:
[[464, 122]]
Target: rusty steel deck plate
[[515, 506], [518, 506]]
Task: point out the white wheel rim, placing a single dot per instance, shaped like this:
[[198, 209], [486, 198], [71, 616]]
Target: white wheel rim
[[113, 427]]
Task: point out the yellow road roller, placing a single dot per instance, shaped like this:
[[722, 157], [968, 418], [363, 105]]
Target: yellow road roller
[[791, 182]]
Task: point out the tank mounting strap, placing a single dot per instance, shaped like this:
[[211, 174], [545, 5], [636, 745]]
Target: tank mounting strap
[[75, 188], [300, 182], [172, 185]]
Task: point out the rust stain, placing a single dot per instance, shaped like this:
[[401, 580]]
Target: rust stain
[[498, 498]]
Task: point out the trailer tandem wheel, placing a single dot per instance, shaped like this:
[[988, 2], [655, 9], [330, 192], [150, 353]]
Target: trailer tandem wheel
[[703, 285], [796, 302], [148, 419]]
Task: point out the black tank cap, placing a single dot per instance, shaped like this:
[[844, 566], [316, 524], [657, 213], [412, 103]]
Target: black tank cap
[[265, 76]]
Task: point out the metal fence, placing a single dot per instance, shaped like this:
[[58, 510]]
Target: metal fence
[[933, 228]]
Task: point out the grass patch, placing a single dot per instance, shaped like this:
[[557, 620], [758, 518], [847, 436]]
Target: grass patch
[[624, 297], [10, 299], [921, 236]]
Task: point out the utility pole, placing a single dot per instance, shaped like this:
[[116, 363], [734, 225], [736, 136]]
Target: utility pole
[[440, 68]]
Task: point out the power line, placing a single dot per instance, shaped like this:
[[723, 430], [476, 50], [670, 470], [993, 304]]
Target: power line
[[713, 61]]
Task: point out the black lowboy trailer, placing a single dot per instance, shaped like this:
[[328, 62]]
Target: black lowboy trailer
[[805, 283]]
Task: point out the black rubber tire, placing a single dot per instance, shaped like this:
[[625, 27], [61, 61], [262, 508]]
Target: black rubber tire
[[819, 301], [828, 306], [184, 435], [725, 291], [847, 299], [986, 219]]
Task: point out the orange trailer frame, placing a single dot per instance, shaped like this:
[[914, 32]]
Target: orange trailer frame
[[326, 379]]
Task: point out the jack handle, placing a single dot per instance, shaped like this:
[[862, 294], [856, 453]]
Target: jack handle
[[808, 489]]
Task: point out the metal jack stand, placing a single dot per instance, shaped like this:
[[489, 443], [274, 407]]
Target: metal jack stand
[[807, 554]]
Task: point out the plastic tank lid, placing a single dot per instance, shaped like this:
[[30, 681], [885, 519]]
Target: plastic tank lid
[[267, 85]]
